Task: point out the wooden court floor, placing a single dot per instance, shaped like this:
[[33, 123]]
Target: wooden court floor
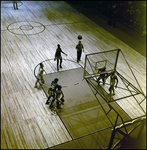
[[81, 113], [29, 36]]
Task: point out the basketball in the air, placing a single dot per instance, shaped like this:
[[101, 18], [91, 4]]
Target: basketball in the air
[[79, 37]]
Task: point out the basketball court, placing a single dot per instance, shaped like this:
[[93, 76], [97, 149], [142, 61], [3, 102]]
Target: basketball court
[[88, 108], [89, 115], [81, 113]]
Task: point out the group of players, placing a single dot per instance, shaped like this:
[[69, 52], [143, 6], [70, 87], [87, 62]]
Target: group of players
[[55, 91], [113, 80]]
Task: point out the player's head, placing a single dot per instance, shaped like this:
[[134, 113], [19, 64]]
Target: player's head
[[79, 42], [58, 46], [41, 65], [56, 80]]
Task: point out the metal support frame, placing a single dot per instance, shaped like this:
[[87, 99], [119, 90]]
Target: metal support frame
[[133, 74], [116, 59], [90, 80], [95, 74], [99, 62], [127, 84], [116, 128], [141, 122], [93, 87]]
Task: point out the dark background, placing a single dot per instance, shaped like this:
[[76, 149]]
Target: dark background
[[130, 13]]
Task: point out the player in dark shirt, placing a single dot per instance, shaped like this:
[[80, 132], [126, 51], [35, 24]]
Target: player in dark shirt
[[58, 56], [102, 76], [79, 48], [52, 90]]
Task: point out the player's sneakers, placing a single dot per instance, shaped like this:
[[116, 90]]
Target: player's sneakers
[[47, 102], [59, 107], [51, 106]]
